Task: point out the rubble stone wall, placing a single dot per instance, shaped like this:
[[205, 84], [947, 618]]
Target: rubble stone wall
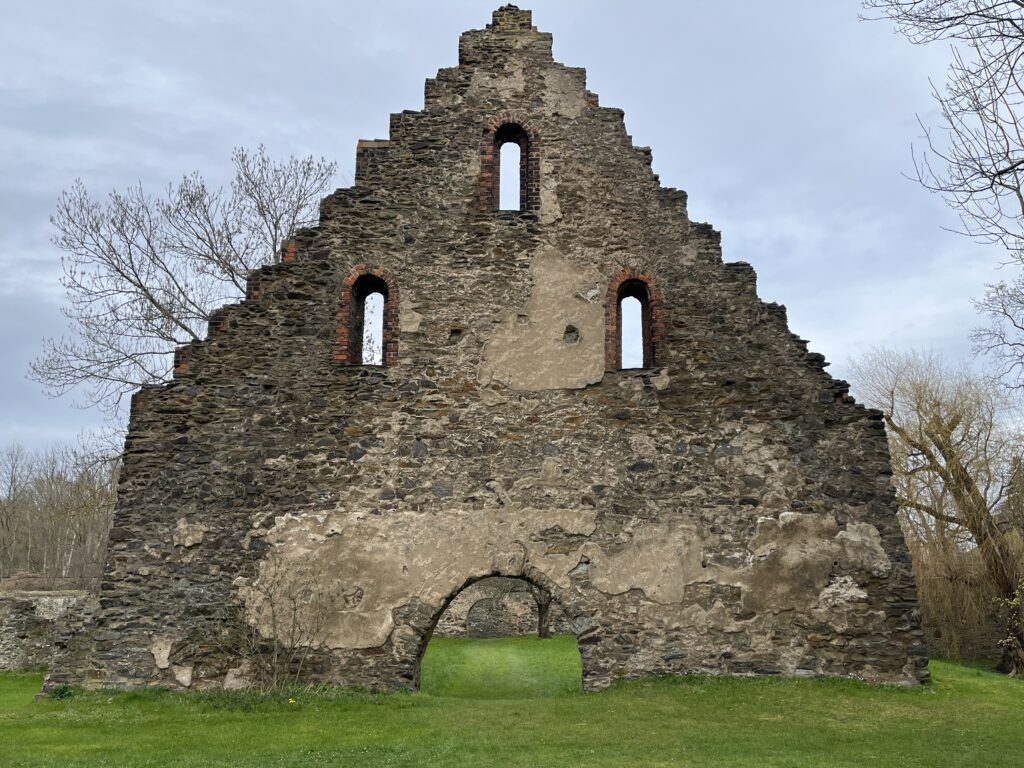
[[28, 624]]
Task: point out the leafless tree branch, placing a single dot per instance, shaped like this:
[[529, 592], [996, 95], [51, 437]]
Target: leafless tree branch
[[143, 273]]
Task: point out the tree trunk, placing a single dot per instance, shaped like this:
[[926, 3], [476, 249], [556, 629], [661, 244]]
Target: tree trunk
[[1012, 661], [543, 598], [544, 619]]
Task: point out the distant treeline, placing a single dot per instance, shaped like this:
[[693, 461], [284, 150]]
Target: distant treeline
[[55, 512]]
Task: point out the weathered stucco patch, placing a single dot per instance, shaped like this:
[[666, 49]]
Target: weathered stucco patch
[[505, 85], [862, 549], [794, 556], [409, 320], [344, 573], [557, 342], [660, 559], [550, 210], [161, 650], [840, 593], [562, 93]]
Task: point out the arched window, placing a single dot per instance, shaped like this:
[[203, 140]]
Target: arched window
[[372, 348], [631, 328], [368, 319], [510, 166], [509, 175], [512, 145], [634, 326]]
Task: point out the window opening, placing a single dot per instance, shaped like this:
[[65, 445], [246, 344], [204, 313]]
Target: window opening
[[509, 198], [509, 164], [370, 327], [372, 351], [632, 328]]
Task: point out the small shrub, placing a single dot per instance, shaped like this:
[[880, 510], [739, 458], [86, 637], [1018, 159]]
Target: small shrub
[[62, 691]]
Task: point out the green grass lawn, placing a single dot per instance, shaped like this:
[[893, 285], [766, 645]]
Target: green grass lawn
[[516, 702], [506, 668]]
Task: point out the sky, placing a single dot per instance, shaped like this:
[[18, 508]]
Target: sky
[[789, 124]]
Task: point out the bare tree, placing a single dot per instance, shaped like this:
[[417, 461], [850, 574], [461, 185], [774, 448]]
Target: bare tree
[[974, 157], [956, 454], [14, 481], [143, 273]]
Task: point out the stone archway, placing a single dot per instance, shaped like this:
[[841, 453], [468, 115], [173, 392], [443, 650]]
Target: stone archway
[[510, 617], [502, 606]]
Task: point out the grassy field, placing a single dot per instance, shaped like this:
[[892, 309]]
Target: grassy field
[[516, 702]]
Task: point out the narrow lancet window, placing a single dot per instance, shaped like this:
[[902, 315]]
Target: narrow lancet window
[[368, 318], [511, 182], [632, 338], [632, 345], [509, 196], [372, 352]]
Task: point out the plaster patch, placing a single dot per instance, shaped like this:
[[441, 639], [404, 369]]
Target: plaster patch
[[791, 562], [550, 210], [660, 559], [505, 84], [409, 320], [161, 650], [533, 355], [862, 549], [840, 593], [318, 561], [794, 556], [563, 94]]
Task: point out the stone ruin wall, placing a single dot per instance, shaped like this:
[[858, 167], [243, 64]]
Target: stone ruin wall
[[28, 626], [726, 509]]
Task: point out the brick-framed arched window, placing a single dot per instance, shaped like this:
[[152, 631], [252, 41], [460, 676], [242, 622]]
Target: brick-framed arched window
[[503, 129], [636, 284], [364, 281]]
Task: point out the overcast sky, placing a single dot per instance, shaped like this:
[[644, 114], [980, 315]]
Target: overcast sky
[[788, 123]]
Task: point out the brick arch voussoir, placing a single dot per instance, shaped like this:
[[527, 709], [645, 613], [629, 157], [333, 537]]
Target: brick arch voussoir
[[515, 118], [346, 346]]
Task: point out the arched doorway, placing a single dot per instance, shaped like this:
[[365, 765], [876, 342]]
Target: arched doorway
[[501, 637]]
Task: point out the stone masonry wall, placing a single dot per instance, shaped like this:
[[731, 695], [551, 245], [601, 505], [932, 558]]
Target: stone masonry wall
[[728, 510], [28, 624]]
